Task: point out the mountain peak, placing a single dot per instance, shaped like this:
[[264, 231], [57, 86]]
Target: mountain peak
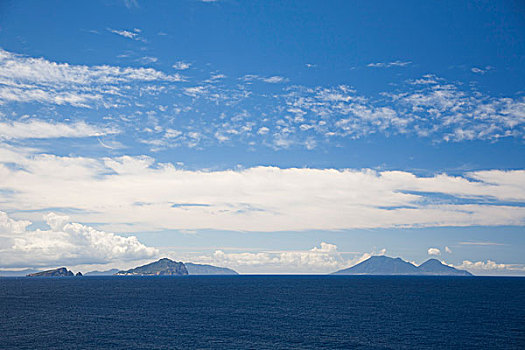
[[436, 267], [162, 267], [381, 265]]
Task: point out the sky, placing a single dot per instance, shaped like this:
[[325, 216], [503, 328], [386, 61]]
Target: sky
[[268, 137]]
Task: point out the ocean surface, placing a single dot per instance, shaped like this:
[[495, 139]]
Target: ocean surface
[[262, 312]]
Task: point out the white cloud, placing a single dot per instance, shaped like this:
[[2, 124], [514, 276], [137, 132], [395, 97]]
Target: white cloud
[[254, 199], [490, 267], [77, 99], [25, 79], [172, 133], [338, 111], [480, 70], [181, 65], [433, 251], [482, 244], [448, 250], [40, 129], [389, 64], [20, 69], [263, 130], [195, 91], [272, 79], [323, 259], [124, 33], [134, 34], [64, 243], [221, 137], [482, 265], [426, 107], [148, 59], [457, 115]]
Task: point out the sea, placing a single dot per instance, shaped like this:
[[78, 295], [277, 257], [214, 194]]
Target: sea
[[262, 312]]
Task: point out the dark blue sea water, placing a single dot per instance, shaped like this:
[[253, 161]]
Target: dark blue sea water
[[262, 312]]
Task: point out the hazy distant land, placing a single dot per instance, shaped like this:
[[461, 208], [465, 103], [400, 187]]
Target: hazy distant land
[[375, 265]]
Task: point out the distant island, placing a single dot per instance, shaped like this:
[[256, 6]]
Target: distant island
[[60, 272], [102, 273], [384, 265], [375, 265], [162, 267], [168, 267], [199, 269]]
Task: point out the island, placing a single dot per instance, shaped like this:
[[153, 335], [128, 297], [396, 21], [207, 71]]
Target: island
[[387, 266], [162, 267], [60, 272], [102, 273], [168, 267]]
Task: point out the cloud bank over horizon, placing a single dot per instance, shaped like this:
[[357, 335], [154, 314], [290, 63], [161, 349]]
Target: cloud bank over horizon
[[139, 193]]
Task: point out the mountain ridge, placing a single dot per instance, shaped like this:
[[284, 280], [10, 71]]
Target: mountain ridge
[[204, 269], [381, 265], [59, 272]]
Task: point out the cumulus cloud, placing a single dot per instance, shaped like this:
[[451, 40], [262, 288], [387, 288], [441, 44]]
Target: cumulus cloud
[[433, 251], [255, 199], [490, 267], [322, 259], [181, 65], [40, 129], [263, 130], [64, 243], [482, 265]]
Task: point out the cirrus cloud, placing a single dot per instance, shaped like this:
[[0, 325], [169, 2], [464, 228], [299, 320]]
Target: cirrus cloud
[[39, 129]]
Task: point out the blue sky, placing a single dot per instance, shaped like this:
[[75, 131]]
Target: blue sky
[[267, 137]]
